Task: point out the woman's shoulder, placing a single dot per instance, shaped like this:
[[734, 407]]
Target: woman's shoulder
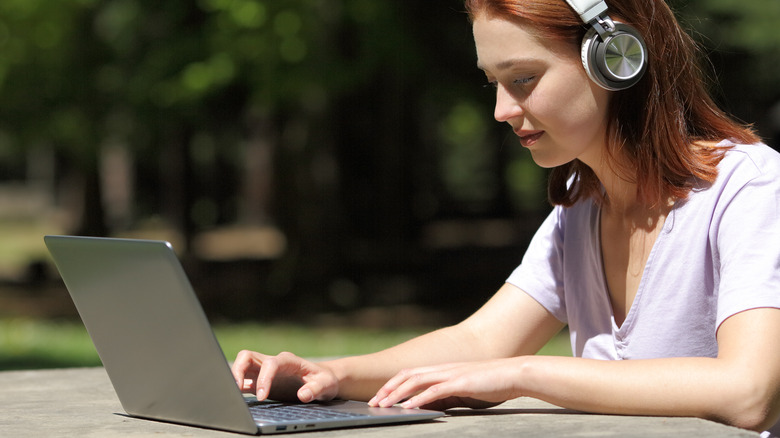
[[757, 159], [754, 166]]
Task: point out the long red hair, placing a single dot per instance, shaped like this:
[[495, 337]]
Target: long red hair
[[656, 127]]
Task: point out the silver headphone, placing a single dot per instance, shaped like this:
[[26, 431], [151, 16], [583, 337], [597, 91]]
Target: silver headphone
[[614, 54]]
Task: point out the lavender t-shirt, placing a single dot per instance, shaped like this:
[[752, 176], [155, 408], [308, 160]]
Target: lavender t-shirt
[[718, 254]]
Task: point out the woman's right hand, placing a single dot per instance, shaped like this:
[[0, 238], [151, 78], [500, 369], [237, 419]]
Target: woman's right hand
[[285, 377]]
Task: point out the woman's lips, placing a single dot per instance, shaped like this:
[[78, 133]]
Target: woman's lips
[[529, 138]]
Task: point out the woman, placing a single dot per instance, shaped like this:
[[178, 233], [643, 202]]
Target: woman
[[663, 247]]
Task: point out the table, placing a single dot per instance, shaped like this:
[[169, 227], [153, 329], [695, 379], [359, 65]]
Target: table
[[81, 402]]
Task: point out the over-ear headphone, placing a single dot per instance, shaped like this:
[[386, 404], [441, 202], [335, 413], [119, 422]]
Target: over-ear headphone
[[614, 54]]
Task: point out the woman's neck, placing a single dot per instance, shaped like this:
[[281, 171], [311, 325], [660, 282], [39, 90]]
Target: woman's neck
[[621, 199]]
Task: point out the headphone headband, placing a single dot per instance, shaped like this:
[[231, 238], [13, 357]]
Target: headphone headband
[[588, 10]]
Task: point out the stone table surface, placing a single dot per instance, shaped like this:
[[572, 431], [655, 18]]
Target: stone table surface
[[81, 402]]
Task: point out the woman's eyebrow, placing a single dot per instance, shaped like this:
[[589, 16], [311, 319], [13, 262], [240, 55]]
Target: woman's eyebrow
[[509, 63]]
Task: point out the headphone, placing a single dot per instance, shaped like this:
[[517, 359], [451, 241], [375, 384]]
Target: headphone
[[614, 54]]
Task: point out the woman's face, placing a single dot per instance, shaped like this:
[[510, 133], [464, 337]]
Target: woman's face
[[543, 92]]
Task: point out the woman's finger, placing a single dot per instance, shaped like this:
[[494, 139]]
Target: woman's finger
[[246, 367], [408, 382], [390, 387], [414, 383], [430, 395], [283, 377], [265, 377]]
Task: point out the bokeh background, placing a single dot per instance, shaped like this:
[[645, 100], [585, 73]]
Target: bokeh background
[[314, 160]]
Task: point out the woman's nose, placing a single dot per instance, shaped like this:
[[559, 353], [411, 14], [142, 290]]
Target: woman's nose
[[507, 106]]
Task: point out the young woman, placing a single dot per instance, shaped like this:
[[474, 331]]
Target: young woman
[[662, 254]]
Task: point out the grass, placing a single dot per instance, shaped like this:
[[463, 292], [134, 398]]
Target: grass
[[31, 344], [35, 344]]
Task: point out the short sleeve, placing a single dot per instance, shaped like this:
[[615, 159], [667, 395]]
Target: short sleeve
[[540, 274], [747, 236]]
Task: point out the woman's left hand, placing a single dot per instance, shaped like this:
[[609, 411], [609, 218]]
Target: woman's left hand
[[475, 385]]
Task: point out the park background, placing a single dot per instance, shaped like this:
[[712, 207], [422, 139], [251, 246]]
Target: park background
[[316, 163]]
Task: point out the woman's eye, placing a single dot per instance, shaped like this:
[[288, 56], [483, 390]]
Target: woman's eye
[[519, 82], [524, 81]]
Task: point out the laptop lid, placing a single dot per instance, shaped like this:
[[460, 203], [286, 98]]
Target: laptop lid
[[150, 331], [156, 343]]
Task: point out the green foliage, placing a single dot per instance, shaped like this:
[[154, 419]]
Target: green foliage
[[467, 167], [743, 43], [526, 181], [38, 62], [67, 67], [737, 24]]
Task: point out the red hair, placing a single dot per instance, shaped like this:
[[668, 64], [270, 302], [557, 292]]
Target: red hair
[[654, 127]]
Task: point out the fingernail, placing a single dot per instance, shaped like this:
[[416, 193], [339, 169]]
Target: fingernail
[[372, 402], [261, 394], [306, 395]]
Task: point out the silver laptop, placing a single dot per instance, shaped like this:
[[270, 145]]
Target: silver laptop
[[159, 350]]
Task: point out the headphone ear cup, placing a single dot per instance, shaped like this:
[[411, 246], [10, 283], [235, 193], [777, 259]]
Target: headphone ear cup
[[619, 61]]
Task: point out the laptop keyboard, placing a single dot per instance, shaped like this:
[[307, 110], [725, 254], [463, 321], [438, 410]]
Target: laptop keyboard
[[273, 412]]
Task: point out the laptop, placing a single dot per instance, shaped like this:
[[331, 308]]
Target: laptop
[[160, 353]]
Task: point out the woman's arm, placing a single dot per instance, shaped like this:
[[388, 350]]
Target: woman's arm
[[511, 323], [740, 387]]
